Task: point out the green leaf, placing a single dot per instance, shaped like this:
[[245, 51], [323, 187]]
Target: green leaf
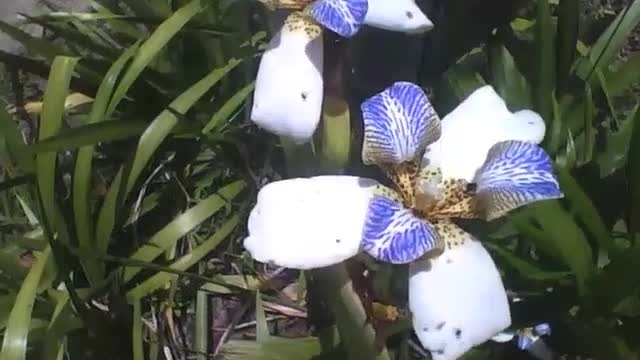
[[50, 124], [589, 132], [42, 47], [183, 224], [633, 173], [91, 134], [624, 76], [62, 322], [136, 331], [162, 125], [615, 154], [611, 41], [201, 341], [158, 280], [224, 113], [10, 264], [15, 145], [46, 49], [150, 140], [509, 82], [618, 279], [276, 348], [357, 334], [598, 340], [14, 342], [544, 60], [81, 186], [154, 46], [551, 228], [581, 206], [526, 268], [262, 328], [568, 20]]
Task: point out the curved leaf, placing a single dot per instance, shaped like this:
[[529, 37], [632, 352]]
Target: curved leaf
[[14, 343]]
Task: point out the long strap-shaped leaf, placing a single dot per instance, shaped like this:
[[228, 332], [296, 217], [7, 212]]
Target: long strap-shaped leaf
[[153, 46], [159, 279], [181, 225], [14, 344], [50, 124], [84, 164], [149, 142]]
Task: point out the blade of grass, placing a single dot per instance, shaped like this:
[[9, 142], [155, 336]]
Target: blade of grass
[[158, 280], [581, 206], [182, 225], [558, 236], [81, 186], [121, 27], [50, 124], [153, 136], [225, 111], [14, 342], [201, 342], [154, 46], [92, 134], [262, 328], [162, 125], [610, 41], [526, 268], [136, 330], [624, 76], [47, 50]]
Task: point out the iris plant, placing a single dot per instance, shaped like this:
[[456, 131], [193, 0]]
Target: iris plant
[[289, 85], [480, 161]]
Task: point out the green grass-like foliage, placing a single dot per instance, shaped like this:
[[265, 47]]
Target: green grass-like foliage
[[120, 217]]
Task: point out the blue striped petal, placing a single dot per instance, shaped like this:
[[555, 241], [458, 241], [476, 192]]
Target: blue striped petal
[[343, 17], [515, 173], [524, 342], [399, 123], [393, 234]]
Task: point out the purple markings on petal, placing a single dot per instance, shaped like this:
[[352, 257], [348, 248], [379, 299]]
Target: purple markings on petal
[[343, 17], [515, 173], [393, 234], [399, 123]]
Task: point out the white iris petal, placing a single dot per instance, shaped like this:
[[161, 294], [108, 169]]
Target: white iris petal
[[457, 300], [471, 129], [289, 87], [397, 15], [306, 223]]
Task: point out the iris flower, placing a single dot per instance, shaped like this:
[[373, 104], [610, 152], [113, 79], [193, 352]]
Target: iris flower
[[480, 161], [289, 85]]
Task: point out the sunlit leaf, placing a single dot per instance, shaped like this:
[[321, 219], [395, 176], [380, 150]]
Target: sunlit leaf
[[183, 224], [50, 124], [14, 342]]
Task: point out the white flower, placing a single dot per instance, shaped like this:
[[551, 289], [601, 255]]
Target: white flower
[[289, 87], [480, 161]]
